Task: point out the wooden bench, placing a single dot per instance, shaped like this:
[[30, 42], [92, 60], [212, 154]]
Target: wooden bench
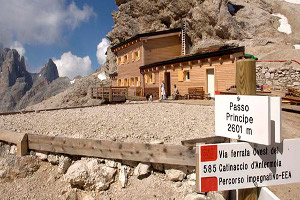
[[196, 93]]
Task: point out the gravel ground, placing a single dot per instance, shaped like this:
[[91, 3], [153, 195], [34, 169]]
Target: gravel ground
[[134, 122], [142, 122]]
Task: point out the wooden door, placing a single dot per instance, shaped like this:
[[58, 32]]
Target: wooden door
[[211, 82], [168, 83]]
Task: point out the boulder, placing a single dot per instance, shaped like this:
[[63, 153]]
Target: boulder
[[41, 156], [72, 195], [175, 173], [123, 176], [18, 167], [142, 170], [64, 164], [191, 179], [218, 195], [195, 196], [111, 163], [87, 197], [53, 159], [13, 150], [90, 174]]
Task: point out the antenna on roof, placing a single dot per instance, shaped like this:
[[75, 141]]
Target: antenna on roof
[[183, 47]]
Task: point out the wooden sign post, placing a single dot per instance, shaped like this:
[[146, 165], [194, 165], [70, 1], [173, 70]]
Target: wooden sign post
[[246, 85]]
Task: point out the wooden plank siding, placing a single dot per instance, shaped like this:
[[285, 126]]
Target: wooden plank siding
[[130, 69], [153, 153], [160, 49], [224, 72]]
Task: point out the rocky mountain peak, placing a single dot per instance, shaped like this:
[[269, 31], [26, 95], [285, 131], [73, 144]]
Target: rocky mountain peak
[[13, 68], [49, 71]]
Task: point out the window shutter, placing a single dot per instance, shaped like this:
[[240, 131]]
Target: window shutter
[[146, 78], [180, 75], [138, 54], [153, 77]]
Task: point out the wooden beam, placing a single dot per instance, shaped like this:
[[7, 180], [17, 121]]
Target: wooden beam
[[19, 139], [246, 85], [221, 60], [246, 77], [209, 61], [232, 58], [200, 63], [153, 153], [208, 140], [181, 66]]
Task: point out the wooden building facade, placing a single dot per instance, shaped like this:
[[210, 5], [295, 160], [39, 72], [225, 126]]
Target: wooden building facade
[[145, 60]]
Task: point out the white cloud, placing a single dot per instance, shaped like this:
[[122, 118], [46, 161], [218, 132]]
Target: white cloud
[[284, 27], [19, 47], [101, 50], [39, 22], [71, 65]]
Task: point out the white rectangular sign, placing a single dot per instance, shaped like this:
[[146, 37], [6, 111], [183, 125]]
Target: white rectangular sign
[[275, 115], [231, 166], [243, 117]]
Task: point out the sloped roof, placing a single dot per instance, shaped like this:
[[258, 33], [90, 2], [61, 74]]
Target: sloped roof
[[145, 35], [196, 56]]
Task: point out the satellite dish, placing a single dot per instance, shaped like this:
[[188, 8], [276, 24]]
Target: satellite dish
[[102, 76]]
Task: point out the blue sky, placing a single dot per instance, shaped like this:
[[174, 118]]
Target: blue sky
[[74, 26]]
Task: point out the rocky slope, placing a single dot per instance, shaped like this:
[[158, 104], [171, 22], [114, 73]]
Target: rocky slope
[[19, 88], [47, 83], [78, 94], [209, 22]]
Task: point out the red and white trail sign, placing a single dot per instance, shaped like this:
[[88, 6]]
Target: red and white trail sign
[[231, 166]]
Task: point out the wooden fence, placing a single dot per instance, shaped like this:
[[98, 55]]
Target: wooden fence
[[141, 152], [47, 109], [110, 94]]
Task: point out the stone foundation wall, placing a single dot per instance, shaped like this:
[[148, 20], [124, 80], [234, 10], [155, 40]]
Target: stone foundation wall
[[278, 78]]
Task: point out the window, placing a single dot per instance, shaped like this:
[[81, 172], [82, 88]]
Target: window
[[136, 56], [125, 82], [136, 83], [125, 59], [151, 78], [139, 81], [186, 75], [132, 82], [132, 56], [119, 82], [119, 60]]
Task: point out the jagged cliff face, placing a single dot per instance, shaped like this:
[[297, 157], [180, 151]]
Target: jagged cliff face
[[13, 69], [46, 84], [19, 88], [209, 22], [15, 81]]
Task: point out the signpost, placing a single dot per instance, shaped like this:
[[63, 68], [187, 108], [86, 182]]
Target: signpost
[[275, 111], [243, 117], [244, 165]]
